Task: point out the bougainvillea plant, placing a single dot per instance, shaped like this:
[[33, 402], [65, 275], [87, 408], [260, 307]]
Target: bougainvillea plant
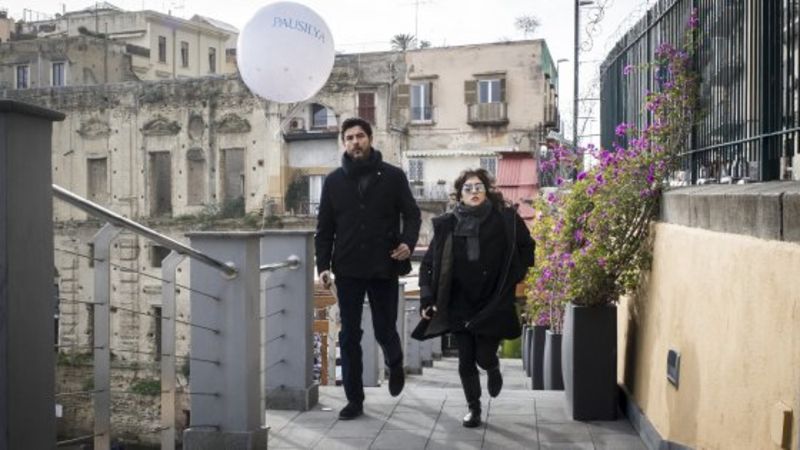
[[592, 233]]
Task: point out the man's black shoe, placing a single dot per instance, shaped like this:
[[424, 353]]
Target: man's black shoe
[[351, 411], [397, 379], [495, 382], [472, 419]]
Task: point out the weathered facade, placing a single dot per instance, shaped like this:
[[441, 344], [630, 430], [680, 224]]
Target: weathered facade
[[71, 61], [161, 46]]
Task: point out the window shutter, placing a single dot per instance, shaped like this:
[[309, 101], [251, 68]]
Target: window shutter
[[470, 92], [502, 90], [403, 96], [429, 88]]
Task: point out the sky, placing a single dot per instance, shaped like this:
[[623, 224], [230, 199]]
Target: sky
[[368, 25]]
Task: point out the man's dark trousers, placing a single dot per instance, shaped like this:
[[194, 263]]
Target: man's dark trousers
[[383, 297]]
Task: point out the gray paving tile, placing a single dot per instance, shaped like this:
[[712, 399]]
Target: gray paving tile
[[566, 446], [411, 420], [329, 443], [453, 445], [400, 439], [564, 433], [315, 419], [295, 437], [552, 415], [453, 430], [511, 407], [617, 427], [276, 419], [363, 427], [618, 442]]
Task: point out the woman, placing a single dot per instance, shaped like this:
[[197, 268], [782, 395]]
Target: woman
[[468, 278]]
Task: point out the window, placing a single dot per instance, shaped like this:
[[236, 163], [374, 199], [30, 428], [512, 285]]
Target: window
[[233, 179], [415, 171], [157, 254], [489, 163], [319, 116], [421, 110], [314, 192], [97, 182], [366, 106], [184, 54], [489, 91], [23, 77], [212, 60], [160, 184], [57, 76], [195, 177], [162, 49]]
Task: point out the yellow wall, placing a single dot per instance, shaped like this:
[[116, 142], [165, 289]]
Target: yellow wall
[[730, 304]]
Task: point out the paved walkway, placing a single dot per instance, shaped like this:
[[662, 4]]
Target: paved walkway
[[427, 415]]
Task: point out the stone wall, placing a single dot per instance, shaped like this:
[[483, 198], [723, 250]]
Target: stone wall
[[721, 292]]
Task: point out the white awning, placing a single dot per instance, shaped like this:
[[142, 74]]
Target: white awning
[[448, 153]]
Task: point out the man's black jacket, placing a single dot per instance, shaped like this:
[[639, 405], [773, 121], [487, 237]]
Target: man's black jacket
[[357, 232]]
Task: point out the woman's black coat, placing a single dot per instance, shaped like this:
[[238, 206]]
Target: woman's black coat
[[499, 317]]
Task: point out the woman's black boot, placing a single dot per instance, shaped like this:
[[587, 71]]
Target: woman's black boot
[[472, 391]]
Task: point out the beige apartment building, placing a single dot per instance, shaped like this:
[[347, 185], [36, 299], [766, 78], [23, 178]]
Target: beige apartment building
[[161, 46]]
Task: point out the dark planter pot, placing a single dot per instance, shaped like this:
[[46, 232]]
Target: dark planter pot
[[536, 355], [526, 349], [589, 360], [553, 380]]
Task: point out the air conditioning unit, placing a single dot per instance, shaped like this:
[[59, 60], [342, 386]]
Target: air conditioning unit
[[297, 124]]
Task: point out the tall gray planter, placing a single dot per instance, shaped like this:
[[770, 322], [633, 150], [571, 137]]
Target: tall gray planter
[[536, 355], [526, 340], [589, 361], [551, 367]]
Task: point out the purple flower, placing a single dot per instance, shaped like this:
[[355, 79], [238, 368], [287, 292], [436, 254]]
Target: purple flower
[[559, 181], [599, 178], [581, 176], [601, 262], [551, 198], [627, 70], [622, 129], [578, 235]]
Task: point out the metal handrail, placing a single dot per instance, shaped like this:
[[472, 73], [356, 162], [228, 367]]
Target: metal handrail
[[115, 219], [292, 262]]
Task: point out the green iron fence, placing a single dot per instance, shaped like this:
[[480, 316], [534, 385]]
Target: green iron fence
[[748, 60]]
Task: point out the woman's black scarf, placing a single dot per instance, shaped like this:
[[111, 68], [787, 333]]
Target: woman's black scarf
[[468, 224]]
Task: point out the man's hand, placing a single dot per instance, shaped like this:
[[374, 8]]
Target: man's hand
[[325, 277], [401, 252], [428, 312]]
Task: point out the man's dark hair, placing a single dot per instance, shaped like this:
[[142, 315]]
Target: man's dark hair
[[492, 193], [356, 122]]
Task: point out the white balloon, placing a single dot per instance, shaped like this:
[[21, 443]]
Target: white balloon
[[285, 52]]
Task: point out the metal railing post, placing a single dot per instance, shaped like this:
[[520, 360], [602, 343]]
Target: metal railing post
[[224, 366], [401, 317], [167, 350], [413, 349], [287, 308], [102, 335]]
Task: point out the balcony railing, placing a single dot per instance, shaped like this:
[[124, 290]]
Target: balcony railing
[[487, 114], [429, 191]]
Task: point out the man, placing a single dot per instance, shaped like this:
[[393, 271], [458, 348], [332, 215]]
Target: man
[[359, 238]]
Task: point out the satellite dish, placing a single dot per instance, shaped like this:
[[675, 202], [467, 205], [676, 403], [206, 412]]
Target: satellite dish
[[285, 52]]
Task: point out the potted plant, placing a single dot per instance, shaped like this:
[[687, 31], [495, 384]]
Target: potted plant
[[598, 229]]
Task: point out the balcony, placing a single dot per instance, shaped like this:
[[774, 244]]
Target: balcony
[[480, 114], [430, 191]]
